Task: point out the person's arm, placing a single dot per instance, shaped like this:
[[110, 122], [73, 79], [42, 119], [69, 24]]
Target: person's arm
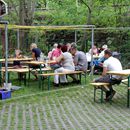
[[104, 71], [33, 56], [61, 57], [105, 68], [76, 60]]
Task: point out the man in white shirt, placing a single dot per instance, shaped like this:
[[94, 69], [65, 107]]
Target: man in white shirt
[[110, 64]]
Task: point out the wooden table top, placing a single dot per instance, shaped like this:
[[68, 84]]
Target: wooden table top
[[16, 70], [16, 59], [40, 62], [121, 73]]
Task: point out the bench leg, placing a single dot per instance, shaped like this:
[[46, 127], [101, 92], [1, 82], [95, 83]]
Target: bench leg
[[85, 78], [29, 76], [128, 98], [101, 95], [49, 82], [128, 93], [94, 94], [25, 79], [80, 77], [40, 82]]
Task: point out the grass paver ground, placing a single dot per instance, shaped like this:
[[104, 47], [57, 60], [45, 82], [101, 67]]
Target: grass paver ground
[[65, 108]]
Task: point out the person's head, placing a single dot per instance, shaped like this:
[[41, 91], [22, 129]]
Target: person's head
[[68, 46], [73, 49], [17, 52], [59, 46], [104, 47], [33, 45], [107, 54], [64, 48], [55, 45], [94, 47]]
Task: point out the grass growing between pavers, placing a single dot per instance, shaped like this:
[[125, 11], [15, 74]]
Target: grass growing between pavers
[[69, 107]]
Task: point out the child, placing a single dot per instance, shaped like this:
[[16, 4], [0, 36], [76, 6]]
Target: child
[[18, 55]]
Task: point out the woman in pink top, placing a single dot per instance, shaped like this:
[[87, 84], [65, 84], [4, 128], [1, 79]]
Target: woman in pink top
[[56, 53]]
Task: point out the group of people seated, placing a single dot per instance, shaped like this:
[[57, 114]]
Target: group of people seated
[[105, 61], [67, 58]]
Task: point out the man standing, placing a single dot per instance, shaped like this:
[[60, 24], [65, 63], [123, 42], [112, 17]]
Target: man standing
[[110, 64]]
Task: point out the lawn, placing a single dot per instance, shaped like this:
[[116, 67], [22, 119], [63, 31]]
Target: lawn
[[63, 108]]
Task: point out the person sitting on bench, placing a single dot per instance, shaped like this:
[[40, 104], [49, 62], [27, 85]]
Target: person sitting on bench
[[110, 64], [67, 65], [80, 61], [36, 56], [17, 64]]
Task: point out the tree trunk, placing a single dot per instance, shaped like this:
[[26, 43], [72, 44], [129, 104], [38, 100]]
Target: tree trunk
[[26, 14], [84, 45]]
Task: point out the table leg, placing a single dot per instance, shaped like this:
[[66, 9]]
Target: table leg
[[128, 92], [48, 82]]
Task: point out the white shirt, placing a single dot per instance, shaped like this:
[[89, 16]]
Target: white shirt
[[113, 64], [101, 54]]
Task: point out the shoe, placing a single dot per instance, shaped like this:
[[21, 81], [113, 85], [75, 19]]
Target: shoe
[[64, 84], [107, 99], [111, 96], [76, 81], [36, 79], [56, 85]]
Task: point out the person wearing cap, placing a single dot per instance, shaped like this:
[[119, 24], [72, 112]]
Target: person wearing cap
[[99, 62], [104, 47], [110, 64], [80, 60]]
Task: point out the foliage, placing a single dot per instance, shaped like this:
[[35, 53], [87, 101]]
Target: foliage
[[101, 13]]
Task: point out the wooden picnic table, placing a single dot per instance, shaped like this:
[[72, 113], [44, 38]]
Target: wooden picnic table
[[18, 70], [17, 59], [40, 62], [124, 73]]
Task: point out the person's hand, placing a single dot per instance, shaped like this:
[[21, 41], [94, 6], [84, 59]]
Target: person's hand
[[101, 64]]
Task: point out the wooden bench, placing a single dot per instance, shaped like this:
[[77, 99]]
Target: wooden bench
[[19, 70], [99, 85], [124, 81], [48, 75], [42, 69]]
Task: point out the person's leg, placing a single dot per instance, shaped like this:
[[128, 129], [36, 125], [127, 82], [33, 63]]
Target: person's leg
[[56, 77], [34, 67], [105, 79], [63, 78], [75, 76], [111, 94]]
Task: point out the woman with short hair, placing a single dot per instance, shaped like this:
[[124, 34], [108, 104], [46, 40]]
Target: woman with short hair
[[67, 65]]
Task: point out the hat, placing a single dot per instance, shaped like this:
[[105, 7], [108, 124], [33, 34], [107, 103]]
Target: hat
[[55, 45], [109, 52], [104, 46]]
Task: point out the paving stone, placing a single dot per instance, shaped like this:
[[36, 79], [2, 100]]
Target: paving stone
[[75, 111]]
